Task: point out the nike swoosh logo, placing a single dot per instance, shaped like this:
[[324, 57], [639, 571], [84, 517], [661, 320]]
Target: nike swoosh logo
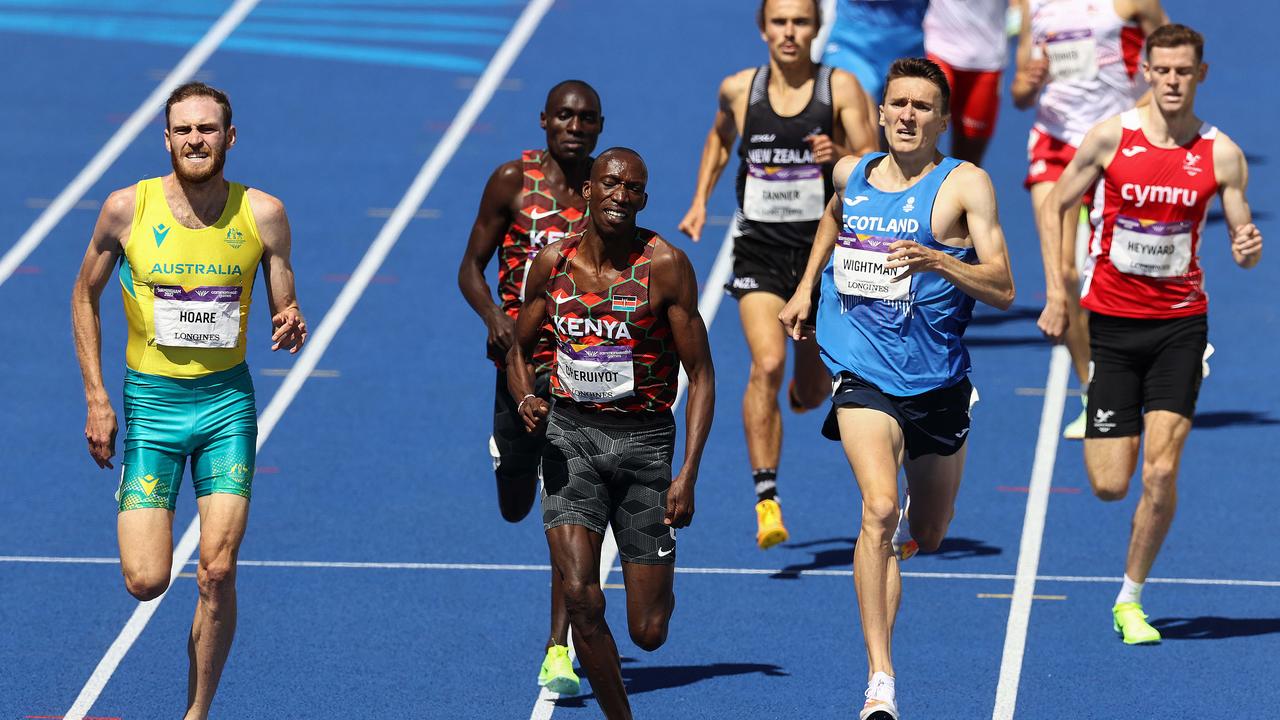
[[565, 300], [856, 200], [1131, 151], [160, 232], [664, 554], [535, 215], [148, 487], [962, 433]]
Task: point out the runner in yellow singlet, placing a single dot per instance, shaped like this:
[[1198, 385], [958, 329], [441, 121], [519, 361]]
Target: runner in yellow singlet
[[188, 247]]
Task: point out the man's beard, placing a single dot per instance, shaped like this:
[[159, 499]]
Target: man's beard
[[217, 158]]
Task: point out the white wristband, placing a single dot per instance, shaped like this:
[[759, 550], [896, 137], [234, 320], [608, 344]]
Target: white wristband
[[523, 400]]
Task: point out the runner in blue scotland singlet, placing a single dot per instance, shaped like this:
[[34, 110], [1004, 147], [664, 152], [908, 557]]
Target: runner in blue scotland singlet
[[909, 242]]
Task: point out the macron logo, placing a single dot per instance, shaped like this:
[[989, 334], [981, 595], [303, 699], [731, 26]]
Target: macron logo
[[857, 200], [160, 231], [1131, 151]]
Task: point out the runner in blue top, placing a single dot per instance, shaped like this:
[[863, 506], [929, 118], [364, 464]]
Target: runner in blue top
[[909, 241], [867, 35]]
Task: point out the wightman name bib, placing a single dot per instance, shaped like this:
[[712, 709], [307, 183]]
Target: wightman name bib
[[1073, 55], [1150, 248], [205, 317], [860, 268], [783, 193], [596, 373]]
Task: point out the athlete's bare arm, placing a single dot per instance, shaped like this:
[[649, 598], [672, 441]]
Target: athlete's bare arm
[[109, 236], [533, 313], [1233, 179], [1095, 153], [966, 205], [1147, 13], [672, 280], [1032, 72], [289, 327], [795, 314], [492, 221], [715, 152], [855, 130]]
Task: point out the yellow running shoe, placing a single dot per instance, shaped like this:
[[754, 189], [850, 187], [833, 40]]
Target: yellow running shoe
[[557, 672], [769, 528], [1129, 620]]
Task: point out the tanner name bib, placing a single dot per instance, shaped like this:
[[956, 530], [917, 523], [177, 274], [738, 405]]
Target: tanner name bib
[[1153, 249], [205, 317], [783, 193], [596, 373], [1073, 55], [859, 264]]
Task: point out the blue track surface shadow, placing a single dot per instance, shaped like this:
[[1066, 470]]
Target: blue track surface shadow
[[1212, 627], [1231, 418], [643, 679], [952, 548]]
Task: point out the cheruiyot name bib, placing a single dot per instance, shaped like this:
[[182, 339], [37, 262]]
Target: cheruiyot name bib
[[783, 193], [205, 317], [596, 373], [1150, 248], [1073, 55], [859, 265]]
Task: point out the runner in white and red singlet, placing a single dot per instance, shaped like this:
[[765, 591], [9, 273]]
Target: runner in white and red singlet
[[966, 38], [1160, 167], [1077, 65]]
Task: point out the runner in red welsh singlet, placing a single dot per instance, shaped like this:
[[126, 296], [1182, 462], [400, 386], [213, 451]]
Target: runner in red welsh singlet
[[1160, 167], [1077, 65], [621, 303], [527, 204]]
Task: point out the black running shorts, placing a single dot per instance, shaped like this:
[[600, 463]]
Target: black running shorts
[[933, 423], [1142, 365], [599, 470], [760, 266], [519, 451]]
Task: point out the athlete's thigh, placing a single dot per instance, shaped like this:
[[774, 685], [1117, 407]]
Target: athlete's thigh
[[146, 542], [1110, 462], [758, 312], [1117, 370], [223, 518], [873, 443], [225, 435], [934, 481], [1172, 381], [575, 553], [1165, 434], [649, 587]]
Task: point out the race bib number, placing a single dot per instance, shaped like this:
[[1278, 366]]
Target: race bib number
[[1073, 55], [596, 373], [860, 268], [204, 317], [783, 193], [1151, 249]]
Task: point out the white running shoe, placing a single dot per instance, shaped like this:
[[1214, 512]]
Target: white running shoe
[[1204, 364], [903, 546], [494, 454], [1075, 429], [881, 697]]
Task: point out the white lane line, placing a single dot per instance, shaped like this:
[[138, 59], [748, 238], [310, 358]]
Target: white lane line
[[120, 141], [334, 318], [1024, 584], [708, 305], [509, 567]]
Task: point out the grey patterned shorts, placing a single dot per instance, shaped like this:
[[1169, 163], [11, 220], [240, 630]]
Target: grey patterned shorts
[[596, 472]]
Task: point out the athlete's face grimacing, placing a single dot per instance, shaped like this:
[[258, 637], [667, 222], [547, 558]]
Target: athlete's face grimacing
[[198, 138], [1173, 74], [912, 115], [573, 123], [789, 28], [615, 193]]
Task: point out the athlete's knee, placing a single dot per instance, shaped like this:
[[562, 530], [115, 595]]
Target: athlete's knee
[[516, 496], [1159, 486], [767, 369], [216, 576], [649, 633], [1108, 487], [929, 535], [583, 600], [146, 583], [879, 517]]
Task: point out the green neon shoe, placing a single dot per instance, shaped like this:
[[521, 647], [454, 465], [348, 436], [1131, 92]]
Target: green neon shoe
[[557, 672], [1129, 620]]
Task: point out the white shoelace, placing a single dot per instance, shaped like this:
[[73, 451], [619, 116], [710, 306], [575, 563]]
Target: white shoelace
[[881, 688]]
